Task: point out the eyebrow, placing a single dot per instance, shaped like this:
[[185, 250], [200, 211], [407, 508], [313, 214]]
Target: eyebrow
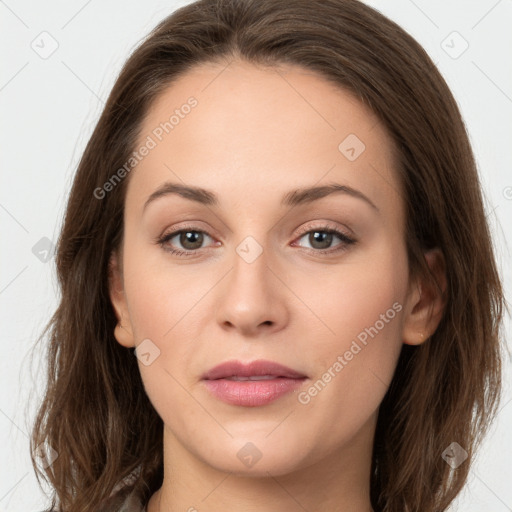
[[292, 198]]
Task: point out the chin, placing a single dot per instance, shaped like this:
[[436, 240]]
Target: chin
[[256, 456]]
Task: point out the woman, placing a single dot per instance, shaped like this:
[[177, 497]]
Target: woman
[[279, 210]]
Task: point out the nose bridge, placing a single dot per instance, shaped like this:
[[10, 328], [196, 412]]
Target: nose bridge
[[250, 268], [250, 296]]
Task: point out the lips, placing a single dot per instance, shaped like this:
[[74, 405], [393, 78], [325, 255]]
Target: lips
[[252, 385], [255, 370]]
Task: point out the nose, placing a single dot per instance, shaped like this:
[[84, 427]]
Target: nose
[[252, 297]]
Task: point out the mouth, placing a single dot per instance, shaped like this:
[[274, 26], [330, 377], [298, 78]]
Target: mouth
[[252, 385]]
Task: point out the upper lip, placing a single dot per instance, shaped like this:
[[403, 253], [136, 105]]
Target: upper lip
[[253, 368]]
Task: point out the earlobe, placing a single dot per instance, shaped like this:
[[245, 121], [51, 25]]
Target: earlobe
[[426, 302], [124, 336], [123, 330]]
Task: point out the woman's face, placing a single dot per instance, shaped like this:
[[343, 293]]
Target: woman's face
[[260, 278]]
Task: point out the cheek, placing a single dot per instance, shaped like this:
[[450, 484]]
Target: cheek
[[162, 295], [165, 303], [166, 307], [345, 300], [358, 342]]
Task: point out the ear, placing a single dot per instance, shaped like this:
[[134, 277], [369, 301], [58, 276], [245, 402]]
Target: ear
[[123, 331], [425, 302]]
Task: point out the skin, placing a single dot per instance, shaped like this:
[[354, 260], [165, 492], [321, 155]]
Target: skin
[[256, 134]]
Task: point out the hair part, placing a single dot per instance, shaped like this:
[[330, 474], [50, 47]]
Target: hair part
[[96, 414]]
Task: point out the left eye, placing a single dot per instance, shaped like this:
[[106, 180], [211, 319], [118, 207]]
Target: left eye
[[321, 238]]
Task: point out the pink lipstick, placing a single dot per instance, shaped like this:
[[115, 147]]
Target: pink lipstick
[[253, 384]]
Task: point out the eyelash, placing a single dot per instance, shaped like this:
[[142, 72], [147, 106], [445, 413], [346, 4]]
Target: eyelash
[[346, 240]]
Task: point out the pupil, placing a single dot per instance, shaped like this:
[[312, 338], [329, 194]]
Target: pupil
[[189, 236], [322, 237]]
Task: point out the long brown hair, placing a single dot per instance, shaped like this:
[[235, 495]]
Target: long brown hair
[[96, 415]]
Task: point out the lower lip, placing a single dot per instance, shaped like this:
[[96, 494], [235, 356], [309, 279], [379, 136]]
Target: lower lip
[[252, 393]]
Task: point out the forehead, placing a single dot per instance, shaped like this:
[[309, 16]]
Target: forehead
[[241, 127]]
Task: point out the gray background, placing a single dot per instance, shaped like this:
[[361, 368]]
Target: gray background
[[50, 99]]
